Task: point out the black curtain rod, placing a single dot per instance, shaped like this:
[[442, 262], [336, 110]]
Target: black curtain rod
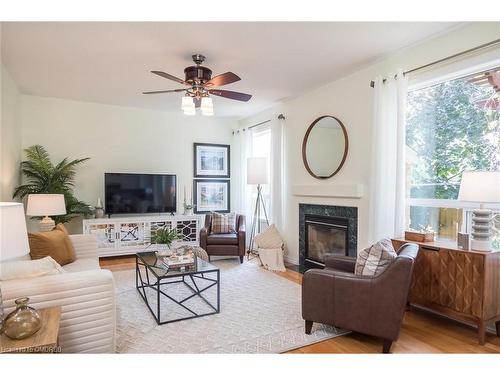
[[493, 42]]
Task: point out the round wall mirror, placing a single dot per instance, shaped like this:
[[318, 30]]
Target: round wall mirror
[[325, 146]]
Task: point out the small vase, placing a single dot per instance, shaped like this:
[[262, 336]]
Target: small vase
[[23, 322], [163, 249], [99, 212]]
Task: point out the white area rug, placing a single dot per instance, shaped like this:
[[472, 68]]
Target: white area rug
[[260, 313]]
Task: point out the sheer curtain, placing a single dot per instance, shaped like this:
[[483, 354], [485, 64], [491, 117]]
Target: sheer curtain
[[242, 151], [276, 178], [387, 176]]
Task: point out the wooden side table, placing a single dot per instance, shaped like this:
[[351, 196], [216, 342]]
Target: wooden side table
[[44, 341], [460, 284]]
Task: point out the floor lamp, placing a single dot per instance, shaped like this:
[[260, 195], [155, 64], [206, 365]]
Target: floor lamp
[[257, 175]]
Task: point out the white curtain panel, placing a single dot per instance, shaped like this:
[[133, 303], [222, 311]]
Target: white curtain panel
[[387, 176], [277, 173], [242, 149]]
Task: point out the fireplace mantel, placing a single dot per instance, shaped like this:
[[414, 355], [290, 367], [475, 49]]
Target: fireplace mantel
[[330, 191]]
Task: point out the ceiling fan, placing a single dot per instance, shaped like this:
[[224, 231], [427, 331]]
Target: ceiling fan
[[201, 86]]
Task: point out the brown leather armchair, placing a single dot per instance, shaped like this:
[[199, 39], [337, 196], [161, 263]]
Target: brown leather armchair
[[373, 305], [224, 244]]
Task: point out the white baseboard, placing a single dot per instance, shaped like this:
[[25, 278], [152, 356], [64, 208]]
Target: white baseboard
[[291, 260]]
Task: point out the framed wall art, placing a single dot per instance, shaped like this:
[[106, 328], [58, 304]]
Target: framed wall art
[[211, 195], [211, 160]]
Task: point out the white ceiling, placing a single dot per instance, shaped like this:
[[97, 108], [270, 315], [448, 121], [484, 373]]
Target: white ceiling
[[110, 62]]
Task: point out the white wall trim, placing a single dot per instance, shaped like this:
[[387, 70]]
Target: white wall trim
[[291, 260], [331, 191]]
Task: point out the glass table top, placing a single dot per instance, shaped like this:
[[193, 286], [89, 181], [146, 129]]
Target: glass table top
[[155, 264]]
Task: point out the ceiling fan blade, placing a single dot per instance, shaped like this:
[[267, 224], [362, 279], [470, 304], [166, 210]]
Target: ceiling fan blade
[[231, 95], [197, 102], [164, 91], [223, 79], [169, 76]]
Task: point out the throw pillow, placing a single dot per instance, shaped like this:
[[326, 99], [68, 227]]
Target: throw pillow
[[223, 223], [269, 239], [55, 244], [374, 259], [29, 268]]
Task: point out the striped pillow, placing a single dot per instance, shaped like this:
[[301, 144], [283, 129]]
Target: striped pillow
[[374, 259], [223, 223]]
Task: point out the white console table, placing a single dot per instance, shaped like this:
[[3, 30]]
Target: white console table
[[122, 235]]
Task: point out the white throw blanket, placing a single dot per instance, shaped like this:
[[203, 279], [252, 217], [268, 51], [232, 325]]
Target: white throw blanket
[[270, 245]]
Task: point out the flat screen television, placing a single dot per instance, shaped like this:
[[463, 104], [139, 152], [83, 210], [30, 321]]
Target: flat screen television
[[131, 193]]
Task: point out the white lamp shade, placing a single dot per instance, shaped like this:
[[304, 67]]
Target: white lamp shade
[[46, 205], [13, 234], [187, 103], [482, 187], [256, 171]]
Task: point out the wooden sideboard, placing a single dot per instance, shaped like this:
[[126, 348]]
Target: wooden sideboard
[[461, 284]]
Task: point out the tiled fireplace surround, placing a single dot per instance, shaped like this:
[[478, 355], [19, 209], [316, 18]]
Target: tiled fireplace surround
[[338, 215]]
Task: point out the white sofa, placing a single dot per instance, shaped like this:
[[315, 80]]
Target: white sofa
[[86, 294]]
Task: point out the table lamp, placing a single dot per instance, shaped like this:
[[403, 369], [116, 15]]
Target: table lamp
[[257, 175], [481, 187], [46, 205]]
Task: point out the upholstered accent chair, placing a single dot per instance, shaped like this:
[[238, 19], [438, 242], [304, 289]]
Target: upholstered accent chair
[[86, 294], [372, 305], [224, 244]]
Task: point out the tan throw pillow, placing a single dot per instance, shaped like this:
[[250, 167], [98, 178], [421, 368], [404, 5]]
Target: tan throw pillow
[[374, 259], [62, 228], [55, 244], [269, 239], [223, 223]]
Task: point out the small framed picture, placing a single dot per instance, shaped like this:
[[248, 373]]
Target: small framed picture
[[211, 195], [211, 160]]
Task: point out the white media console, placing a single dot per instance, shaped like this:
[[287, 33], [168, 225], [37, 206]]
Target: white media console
[[122, 235]]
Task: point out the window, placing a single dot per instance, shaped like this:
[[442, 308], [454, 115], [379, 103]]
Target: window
[[451, 127]]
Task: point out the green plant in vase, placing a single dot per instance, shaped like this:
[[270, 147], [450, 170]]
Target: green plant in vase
[[163, 238]]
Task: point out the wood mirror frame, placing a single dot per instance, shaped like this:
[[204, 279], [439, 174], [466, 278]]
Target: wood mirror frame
[[304, 146]]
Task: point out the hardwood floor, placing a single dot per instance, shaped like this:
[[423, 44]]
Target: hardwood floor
[[422, 332]]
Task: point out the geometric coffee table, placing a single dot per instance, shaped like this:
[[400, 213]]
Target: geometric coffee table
[[172, 295]]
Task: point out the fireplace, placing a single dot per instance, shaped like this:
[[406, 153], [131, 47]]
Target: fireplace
[[324, 235], [326, 230]]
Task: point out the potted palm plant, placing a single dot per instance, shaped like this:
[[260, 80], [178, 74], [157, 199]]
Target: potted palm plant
[[163, 238], [44, 177]]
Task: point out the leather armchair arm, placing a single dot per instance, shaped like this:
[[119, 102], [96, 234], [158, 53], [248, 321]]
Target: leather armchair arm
[[203, 238], [341, 263], [242, 240]]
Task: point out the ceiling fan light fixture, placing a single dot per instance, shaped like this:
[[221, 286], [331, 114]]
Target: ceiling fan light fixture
[[207, 104], [188, 104], [190, 112], [207, 112]]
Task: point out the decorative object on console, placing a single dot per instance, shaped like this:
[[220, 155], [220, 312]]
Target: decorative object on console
[[200, 80], [257, 174], [46, 205], [211, 195], [425, 235], [23, 322], [211, 160], [46, 178], [188, 207], [325, 146], [481, 187], [99, 210], [463, 241]]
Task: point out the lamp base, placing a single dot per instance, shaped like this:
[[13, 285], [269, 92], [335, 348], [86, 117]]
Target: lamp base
[[479, 245], [46, 224]]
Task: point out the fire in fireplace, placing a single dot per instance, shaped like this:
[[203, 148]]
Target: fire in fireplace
[[324, 235]]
